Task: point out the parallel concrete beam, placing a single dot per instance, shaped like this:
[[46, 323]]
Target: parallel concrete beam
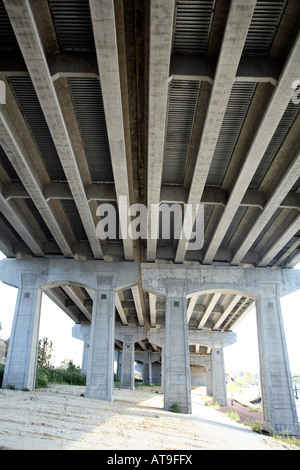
[[26, 31], [18, 154], [278, 103], [238, 22], [104, 27], [285, 185], [161, 31]]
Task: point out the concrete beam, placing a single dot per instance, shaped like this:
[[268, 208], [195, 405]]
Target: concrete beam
[[280, 243], [23, 163], [212, 279], [213, 339], [120, 309], [238, 22], [278, 103], [161, 32], [280, 192], [104, 27], [209, 309], [17, 219], [26, 31], [184, 67]]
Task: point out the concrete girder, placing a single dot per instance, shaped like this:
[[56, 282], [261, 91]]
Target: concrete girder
[[138, 304], [275, 109], [120, 309], [213, 339], [161, 31], [58, 272], [209, 309], [21, 224], [281, 191], [152, 306], [104, 27], [18, 155], [211, 279], [7, 240], [282, 240], [238, 22], [233, 302], [76, 295], [184, 67], [26, 31]]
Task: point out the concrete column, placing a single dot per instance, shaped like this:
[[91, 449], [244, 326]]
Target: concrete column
[[20, 368], [279, 410], [100, 376], [85, 355], [177, 379], [218, 376], [209, 380], [129, 336], [127, 374], [119, 365], [147, 369], [82, 332], [156, 373]]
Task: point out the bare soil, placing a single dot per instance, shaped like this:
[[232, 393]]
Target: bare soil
[[60, 417]]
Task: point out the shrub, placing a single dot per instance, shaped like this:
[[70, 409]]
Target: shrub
[[46, 375]]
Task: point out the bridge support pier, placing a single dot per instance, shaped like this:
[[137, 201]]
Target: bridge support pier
[[177, 378], [129, 335], [100, 376], [82, 332], [279, 409], [218, 376], [20, 368]]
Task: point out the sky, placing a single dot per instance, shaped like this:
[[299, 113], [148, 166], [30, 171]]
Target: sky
[[241, 356]]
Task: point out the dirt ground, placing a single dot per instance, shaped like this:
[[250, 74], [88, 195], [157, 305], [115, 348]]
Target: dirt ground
[[60, 417]]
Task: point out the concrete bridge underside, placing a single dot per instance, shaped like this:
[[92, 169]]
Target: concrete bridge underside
[[152, 102]]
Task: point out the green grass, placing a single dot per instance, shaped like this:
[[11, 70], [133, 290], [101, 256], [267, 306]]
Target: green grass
[[46, 375]]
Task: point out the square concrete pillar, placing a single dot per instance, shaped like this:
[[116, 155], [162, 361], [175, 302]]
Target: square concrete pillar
[[20, 368], [177, 379], [100, 376], [119, 365], [209, 380], [127, 375], [279, 410], [218, 376]]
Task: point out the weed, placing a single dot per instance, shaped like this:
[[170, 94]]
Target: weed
[[216, 405], [254, 425], [174, 408], [232, 415]]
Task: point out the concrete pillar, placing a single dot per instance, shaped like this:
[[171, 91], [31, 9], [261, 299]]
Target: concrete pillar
[[279, 410], [218, 376], [82, 332], [100, 376], [177, 379], [20, 368], [129, 336], [147, 369], [127, 374], [156, 373], [209, 380], [119, 365]]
